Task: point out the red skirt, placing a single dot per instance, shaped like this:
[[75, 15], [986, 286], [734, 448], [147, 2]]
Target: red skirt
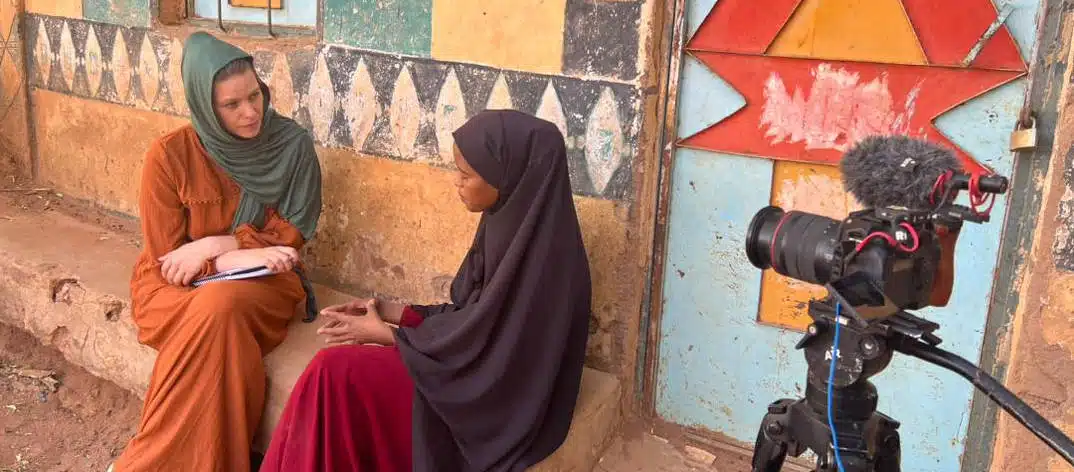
[[349, 411]]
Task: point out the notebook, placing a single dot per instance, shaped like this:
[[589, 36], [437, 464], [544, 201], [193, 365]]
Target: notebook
[[234, 274]]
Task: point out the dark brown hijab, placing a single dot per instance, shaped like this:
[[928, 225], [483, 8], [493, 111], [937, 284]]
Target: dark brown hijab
[[497, 371]]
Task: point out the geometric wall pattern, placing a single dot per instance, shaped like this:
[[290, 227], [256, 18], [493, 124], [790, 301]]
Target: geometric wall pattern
[[810, 78], [771, 94], [593, 38], [377, 104]]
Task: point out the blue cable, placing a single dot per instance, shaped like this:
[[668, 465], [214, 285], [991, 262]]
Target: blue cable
[[831, 379]]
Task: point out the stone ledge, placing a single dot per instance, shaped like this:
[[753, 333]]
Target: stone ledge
[[66, 282]]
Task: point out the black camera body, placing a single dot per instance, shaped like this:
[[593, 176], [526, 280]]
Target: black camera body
[[897, 248]]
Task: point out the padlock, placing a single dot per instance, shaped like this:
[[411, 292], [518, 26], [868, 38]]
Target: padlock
[[1023, 139]]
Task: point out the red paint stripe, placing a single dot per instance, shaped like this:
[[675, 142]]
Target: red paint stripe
[[744, 26], [775, 237], [948, 29], [810, 112]]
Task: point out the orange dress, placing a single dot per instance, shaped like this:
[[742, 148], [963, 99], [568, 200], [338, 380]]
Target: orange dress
[[207, 389]]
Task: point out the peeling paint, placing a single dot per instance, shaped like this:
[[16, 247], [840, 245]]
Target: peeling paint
[[807, 108], [402, 108], [120, 12], [837, 111], [1063, 247], [376, 25]]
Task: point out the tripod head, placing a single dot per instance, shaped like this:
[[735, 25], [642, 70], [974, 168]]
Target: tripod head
[[869, 320], [855, 332]]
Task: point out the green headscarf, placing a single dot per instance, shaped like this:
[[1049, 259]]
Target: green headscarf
[[277, 168]]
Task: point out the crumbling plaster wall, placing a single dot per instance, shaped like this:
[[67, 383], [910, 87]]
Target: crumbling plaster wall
[[380, 87]]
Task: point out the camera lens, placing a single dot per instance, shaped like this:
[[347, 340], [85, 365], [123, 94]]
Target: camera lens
[[796, 244], [760, 234]]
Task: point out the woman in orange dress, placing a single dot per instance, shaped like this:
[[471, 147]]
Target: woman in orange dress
[[240, 187]]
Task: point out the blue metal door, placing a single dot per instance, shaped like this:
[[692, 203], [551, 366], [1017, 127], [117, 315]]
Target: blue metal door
[[771, 90]]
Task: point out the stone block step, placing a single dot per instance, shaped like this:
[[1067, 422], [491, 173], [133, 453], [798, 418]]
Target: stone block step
[[66, 282]]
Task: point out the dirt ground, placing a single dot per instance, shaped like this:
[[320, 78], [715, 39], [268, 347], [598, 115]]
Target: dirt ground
[[83, 422], [647, 452], [86, 421], [26, 196], [55, 416], [642, 448]]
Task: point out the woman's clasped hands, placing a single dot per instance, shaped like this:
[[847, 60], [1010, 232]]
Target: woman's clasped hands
[[356, 322], [182, 265]]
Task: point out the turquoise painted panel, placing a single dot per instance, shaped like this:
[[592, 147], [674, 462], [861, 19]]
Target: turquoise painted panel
[[1022, 23], [717, 368], [696, 12], [293, 13], [119, 12], [707, 101], [400, 26]]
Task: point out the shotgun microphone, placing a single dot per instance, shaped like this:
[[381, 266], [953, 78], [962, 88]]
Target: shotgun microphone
[[902, 172]]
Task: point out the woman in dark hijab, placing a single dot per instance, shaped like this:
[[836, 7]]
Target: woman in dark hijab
[[486, 383]]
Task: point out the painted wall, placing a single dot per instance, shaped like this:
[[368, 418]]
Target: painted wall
[[381, 93], [1038, 346], [122, 12], [772, 93], [15, 161]]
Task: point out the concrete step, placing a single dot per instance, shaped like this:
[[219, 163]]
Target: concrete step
[[66, 282]]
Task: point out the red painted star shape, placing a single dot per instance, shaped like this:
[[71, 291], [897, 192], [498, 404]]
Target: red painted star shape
[[809, 110]]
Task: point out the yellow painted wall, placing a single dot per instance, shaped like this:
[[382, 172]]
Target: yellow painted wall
[[850, 30], [67, 8], [518, 34], [392, 226], [389, 227], [15, 155]]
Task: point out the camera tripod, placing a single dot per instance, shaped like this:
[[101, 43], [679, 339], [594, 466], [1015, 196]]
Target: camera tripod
[[867, 441]]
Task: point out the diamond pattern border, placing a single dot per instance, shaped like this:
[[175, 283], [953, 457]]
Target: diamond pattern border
[[376, 104]]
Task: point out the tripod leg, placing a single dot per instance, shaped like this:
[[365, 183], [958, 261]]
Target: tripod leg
[[768, 454], [888, 454]]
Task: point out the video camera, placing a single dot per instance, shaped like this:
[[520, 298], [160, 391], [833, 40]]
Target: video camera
[[899, 248], [896, 254]]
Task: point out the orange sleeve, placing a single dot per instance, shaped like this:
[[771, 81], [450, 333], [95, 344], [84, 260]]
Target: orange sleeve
[[277, 232], [163, 217]]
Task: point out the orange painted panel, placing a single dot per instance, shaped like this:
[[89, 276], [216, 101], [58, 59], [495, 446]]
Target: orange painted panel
[[276, 4], [797, 36], [522, 35], [815, 188], [850, 30], [64, 8]]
